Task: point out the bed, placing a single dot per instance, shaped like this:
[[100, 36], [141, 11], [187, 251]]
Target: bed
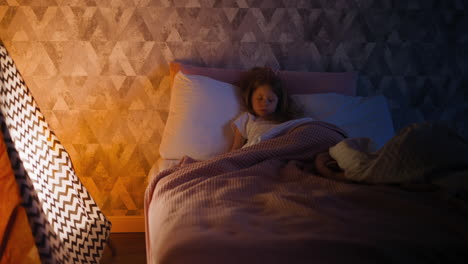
[[269, 203]]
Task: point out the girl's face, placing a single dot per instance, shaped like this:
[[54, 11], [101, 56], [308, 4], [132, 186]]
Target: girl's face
[[264, 101]]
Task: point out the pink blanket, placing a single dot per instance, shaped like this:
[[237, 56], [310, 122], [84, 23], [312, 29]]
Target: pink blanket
[[266, 204]]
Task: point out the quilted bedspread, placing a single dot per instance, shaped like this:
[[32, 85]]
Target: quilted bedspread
[[266, 204]]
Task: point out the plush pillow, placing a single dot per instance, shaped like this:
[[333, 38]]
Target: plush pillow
[[295, 82], [359, 116], [200, 113]]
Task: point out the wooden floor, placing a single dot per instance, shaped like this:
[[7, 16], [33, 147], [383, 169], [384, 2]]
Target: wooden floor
[[129, 248]]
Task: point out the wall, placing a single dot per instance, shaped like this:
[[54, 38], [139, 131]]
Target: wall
[[95, 67]]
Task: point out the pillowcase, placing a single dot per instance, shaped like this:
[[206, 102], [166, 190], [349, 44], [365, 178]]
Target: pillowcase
[[200, 113], [359, 116], [294, 82]]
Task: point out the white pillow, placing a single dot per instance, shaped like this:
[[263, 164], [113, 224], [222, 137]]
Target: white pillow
[[359, 116], [200, 114]]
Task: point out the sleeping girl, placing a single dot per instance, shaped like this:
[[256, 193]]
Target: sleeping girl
[[270, 111]]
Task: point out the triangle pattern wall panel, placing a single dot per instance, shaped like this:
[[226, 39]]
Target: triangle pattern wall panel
[[98, 68]]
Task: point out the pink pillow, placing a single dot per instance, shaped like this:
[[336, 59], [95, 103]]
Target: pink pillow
[[295, 82]]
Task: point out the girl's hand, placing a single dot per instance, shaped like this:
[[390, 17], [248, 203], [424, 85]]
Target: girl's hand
[[238, 141], [328, 167]]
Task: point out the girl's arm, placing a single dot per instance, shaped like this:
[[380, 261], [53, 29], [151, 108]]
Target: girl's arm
[[238, 141]]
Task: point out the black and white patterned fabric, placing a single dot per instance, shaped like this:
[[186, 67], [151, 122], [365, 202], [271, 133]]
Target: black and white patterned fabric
[[67, 224]]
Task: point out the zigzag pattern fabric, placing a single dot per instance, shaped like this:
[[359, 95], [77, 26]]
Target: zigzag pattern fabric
[[67, 224]]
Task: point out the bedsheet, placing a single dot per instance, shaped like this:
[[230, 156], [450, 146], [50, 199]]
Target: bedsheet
[[266, 204]]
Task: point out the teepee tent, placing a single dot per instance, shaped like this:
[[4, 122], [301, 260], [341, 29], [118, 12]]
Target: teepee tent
[[66, 224]]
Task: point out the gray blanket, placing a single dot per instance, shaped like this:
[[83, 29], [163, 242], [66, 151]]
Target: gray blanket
[[424, 153]]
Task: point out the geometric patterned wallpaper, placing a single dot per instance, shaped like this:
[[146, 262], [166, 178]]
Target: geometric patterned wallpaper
[[97, 68]]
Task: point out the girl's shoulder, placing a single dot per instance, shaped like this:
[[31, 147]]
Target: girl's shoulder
[[246, 115]]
